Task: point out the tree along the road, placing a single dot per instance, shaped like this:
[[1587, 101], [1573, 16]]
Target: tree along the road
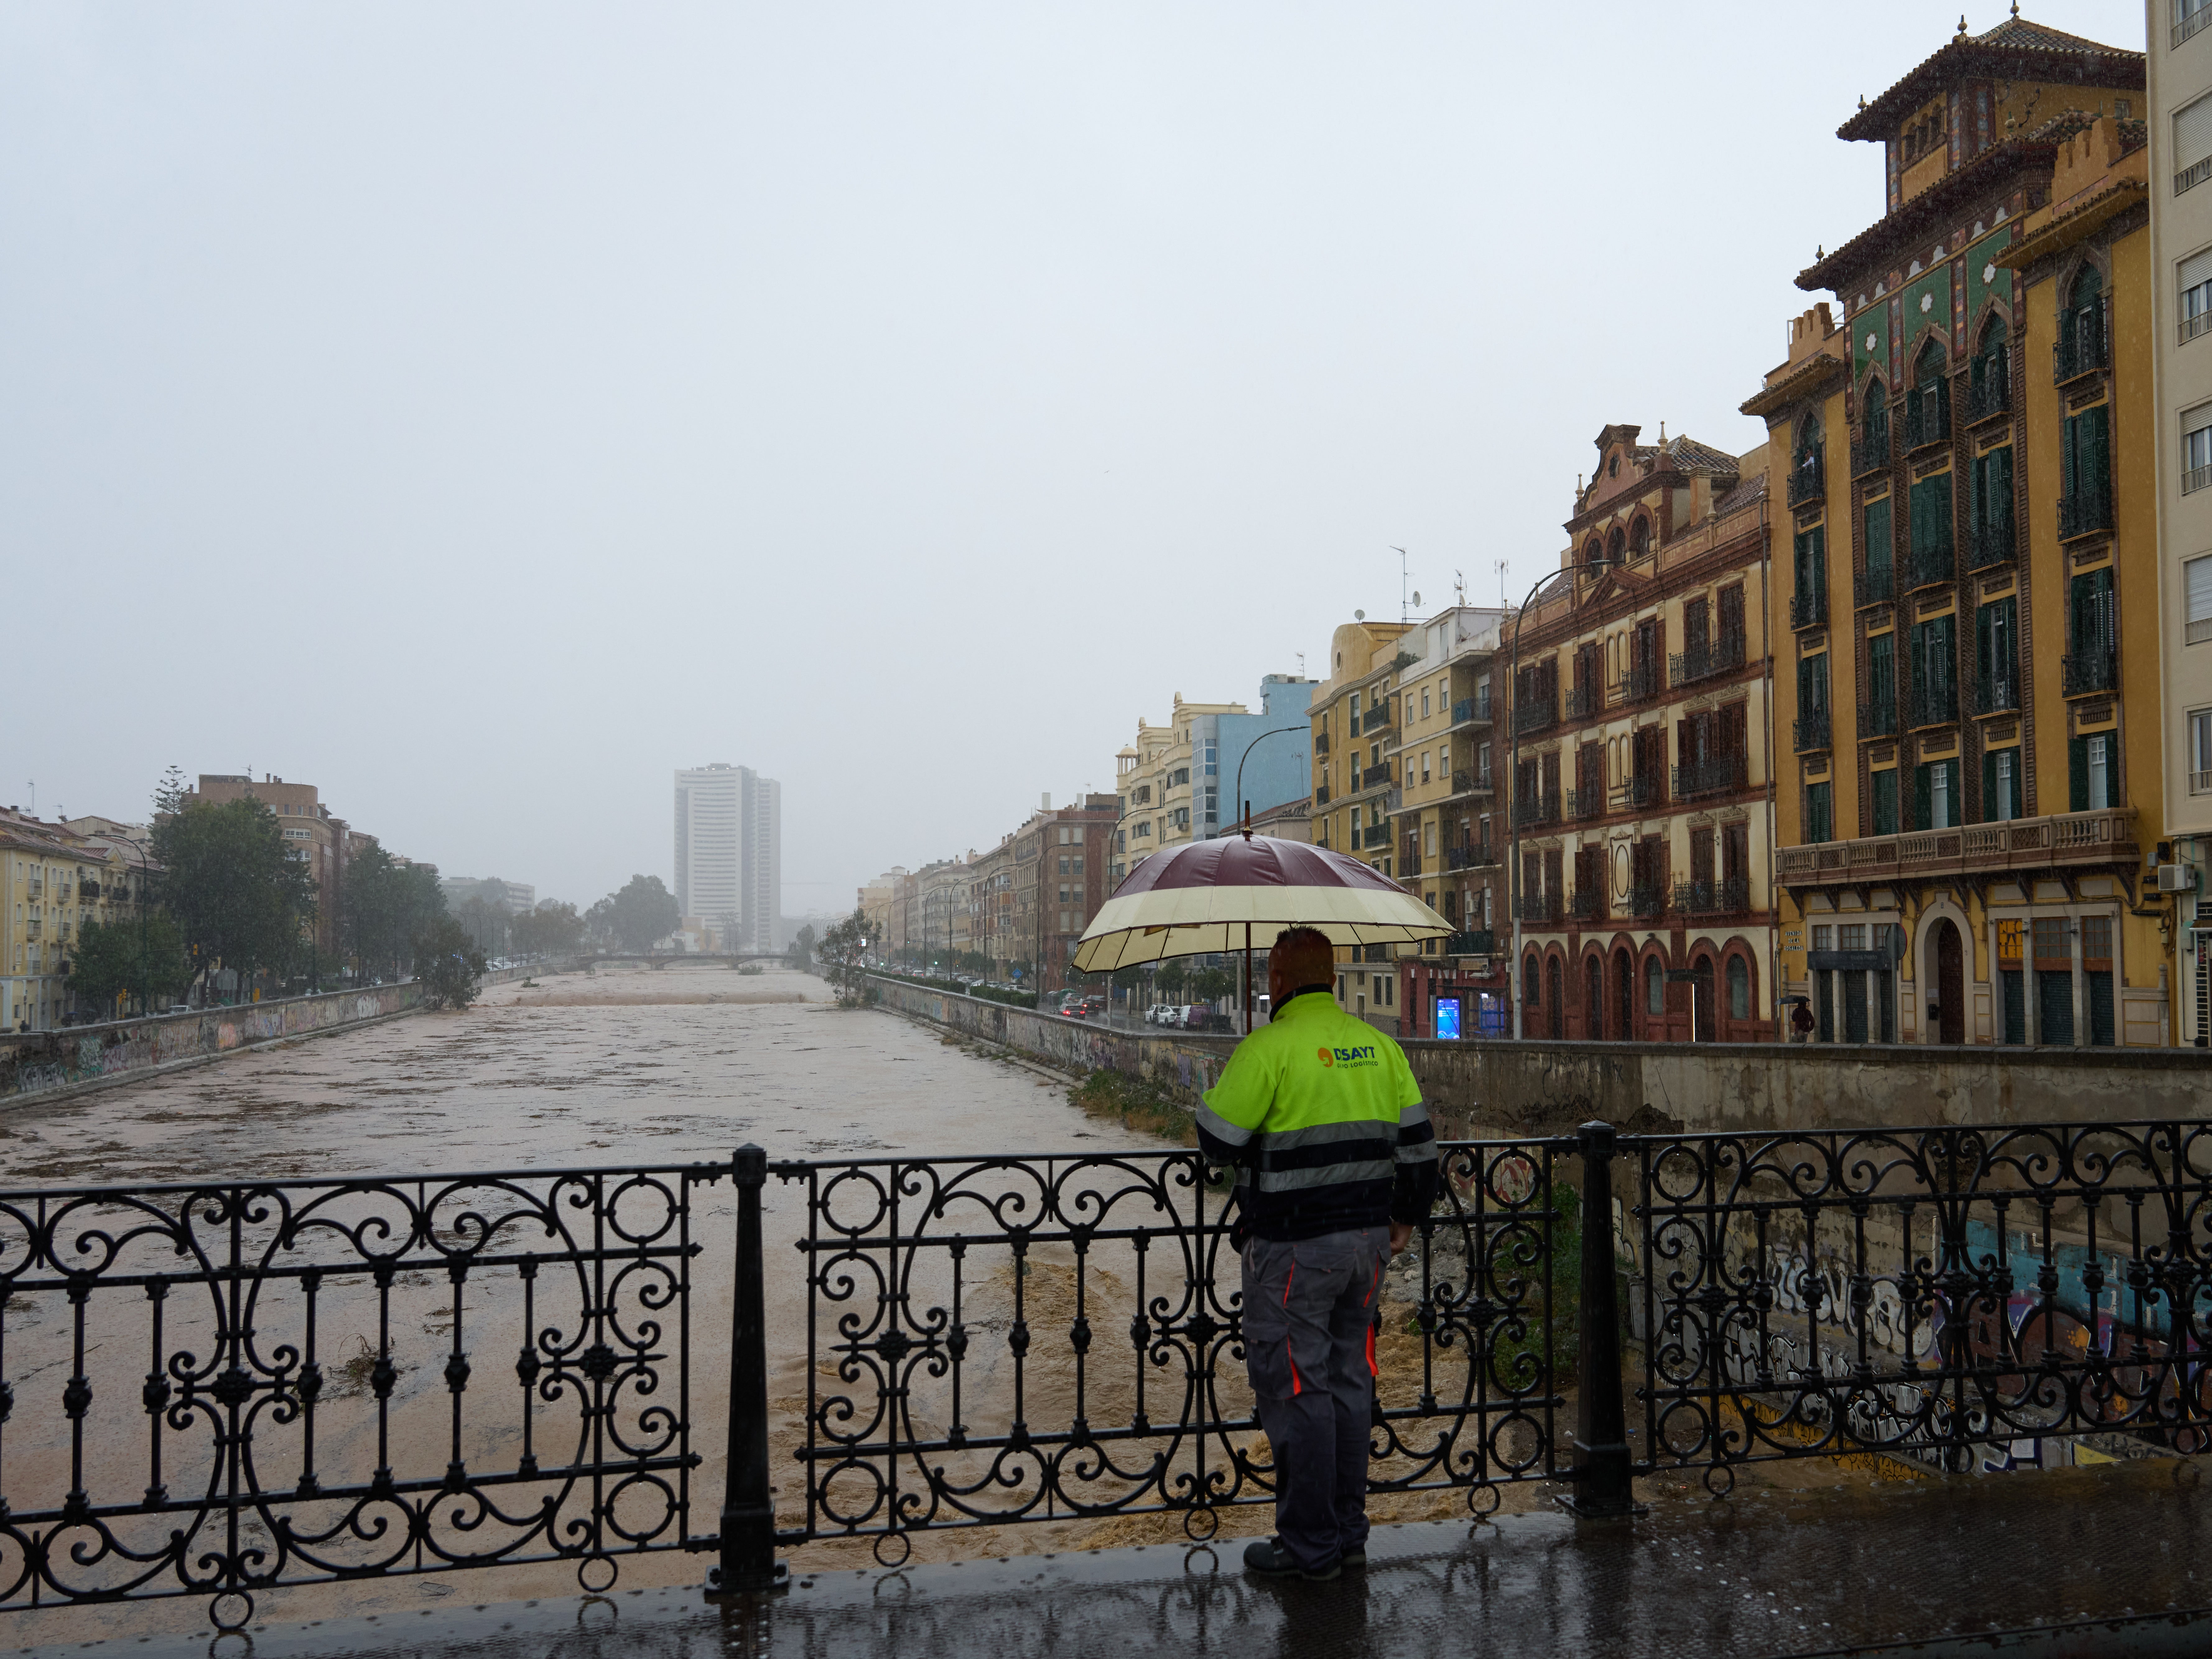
[[382, 905], [801, 951], [242, 898], [839, 955], [641, 914], [487, 921], [114, 958], [448, 963], [553, 929]]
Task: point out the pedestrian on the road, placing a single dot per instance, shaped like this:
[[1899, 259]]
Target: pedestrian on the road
[[1337, 1163]]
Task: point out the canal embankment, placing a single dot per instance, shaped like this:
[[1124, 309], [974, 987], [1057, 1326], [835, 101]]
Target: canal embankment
[[1493, 1086]]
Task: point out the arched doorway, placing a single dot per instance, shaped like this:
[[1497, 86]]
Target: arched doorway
[[1950, 1022], [1623, 996], [1593, 997], [1555, 993], [1703, 1013]]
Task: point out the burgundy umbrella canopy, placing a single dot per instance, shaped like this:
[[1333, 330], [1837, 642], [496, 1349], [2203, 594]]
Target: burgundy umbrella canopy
[[1237, 893]]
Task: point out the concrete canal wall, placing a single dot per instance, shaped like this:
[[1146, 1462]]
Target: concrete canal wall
[[1490, 1086], [47, 1064]]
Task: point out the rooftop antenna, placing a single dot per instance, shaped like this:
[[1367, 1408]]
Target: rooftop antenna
[[1458, 585], [1302, 663], [1499, 565], [1400, 552]]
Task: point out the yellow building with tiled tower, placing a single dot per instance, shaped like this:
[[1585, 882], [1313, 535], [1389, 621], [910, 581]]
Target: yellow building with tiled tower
[[1969, 796]]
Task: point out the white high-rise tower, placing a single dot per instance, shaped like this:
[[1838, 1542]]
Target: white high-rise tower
[[729, 853]]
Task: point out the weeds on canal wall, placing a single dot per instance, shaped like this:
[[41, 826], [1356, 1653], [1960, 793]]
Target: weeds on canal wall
[[1135, 1104]]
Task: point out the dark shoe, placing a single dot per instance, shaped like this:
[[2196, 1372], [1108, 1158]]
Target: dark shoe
[[1355, 1558], [1270, 1559]]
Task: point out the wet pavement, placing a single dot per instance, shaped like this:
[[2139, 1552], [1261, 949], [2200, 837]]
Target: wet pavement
[[2068, 1562]]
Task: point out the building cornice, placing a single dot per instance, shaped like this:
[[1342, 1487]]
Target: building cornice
[[2076, 225], [1810, 379], [1930, 210]]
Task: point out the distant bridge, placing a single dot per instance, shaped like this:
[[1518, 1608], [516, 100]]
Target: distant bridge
[[682, 959]]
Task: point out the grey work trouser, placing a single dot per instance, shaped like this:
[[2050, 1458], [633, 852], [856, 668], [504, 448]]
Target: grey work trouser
[[1310, 1350]]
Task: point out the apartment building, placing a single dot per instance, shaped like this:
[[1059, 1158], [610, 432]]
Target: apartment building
[[1169, 782], [309, 827], [1968, 698], [2179, 92], [1640, 829], [1353, 717], [52, 883], [729, 854], [1073, 853], [992, 880]]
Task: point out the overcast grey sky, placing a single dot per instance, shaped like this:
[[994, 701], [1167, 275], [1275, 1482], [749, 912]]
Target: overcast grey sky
[[481, 411]]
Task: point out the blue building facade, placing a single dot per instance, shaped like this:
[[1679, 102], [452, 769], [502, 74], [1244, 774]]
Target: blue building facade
[[1280, 770]]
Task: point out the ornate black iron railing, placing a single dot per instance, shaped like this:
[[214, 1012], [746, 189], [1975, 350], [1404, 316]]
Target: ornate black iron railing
[[1940, 1295], [342, 1379], [1002, 1340]]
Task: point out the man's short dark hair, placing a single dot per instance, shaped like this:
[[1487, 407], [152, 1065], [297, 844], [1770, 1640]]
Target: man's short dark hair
[[1306, 956]]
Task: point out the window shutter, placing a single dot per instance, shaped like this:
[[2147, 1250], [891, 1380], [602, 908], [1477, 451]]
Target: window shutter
[[2192, 134], [2197, 577], [2069, 436], [1989, 786], [1984, 646], [1922, 810], [2195, 269], [2000, 498], [2077, 767], [1879, 536], [2098, 463]]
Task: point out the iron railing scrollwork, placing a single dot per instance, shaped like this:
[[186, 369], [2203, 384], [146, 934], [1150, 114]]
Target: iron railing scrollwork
[[343, 1380], [1002, 1340]]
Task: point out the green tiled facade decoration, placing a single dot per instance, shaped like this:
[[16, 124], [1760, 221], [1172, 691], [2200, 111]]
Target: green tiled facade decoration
[[1998, 284], [1871, 324], [1927, 300]]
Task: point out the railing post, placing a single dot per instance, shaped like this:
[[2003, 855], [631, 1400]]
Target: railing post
[[1602, 1465], [748, 1530]]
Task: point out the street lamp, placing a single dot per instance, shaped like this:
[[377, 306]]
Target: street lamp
[[1515, 992], [145, 877]]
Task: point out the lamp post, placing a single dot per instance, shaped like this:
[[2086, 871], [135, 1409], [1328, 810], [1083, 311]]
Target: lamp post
[[145, 988], [1513, 989], [1235, 799]]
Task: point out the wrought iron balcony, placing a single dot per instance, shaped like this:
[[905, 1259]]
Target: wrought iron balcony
[[1721, 774], [1468, 855], [2089, 670], [1809, 479], [1635, 794], [1646, 898], [1727, 897], [1471, 708], [1375, 777], [2085, 513], [1465, 782], [1542, 908], [1321, 743], [1878, 718], [1990, 391], [1996, 693], [1931, 703], [1808, 608], [1927, 414], [1409, 858], [1872, 455], [2105, 836], [1811, 731], [87, 890], [1536, 714], [2082, 349], [1932, 566], [1474, 942], [1586, 904], [1643, 681], [1715, 656], [1530, 810], [1374, 835], [1876, 584], [1583, 701], [1375, 719], [1585, 803], [1995, 543]]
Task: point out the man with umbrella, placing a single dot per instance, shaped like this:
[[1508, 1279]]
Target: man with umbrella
[[1337, 1162]]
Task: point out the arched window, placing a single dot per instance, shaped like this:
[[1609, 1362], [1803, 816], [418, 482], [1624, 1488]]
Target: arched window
[[1639, 537], [1532, 978], [1739, 988], [1618, 546], [1655, 988], [1928, 405], [1873, 428], [1593, 550], [2081, 325], [1990, 387]]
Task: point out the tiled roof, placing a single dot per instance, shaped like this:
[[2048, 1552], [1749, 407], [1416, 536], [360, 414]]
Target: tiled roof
[[1750, 490], [2015, 50], [1933, 208]]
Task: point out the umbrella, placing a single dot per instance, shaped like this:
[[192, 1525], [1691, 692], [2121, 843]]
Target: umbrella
[[1227, 895]]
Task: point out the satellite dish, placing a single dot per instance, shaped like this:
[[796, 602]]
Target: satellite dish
[[1417, 595], [1359, 616]]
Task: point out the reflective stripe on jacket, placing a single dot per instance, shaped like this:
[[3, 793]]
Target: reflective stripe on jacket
[[1322, 1114]]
